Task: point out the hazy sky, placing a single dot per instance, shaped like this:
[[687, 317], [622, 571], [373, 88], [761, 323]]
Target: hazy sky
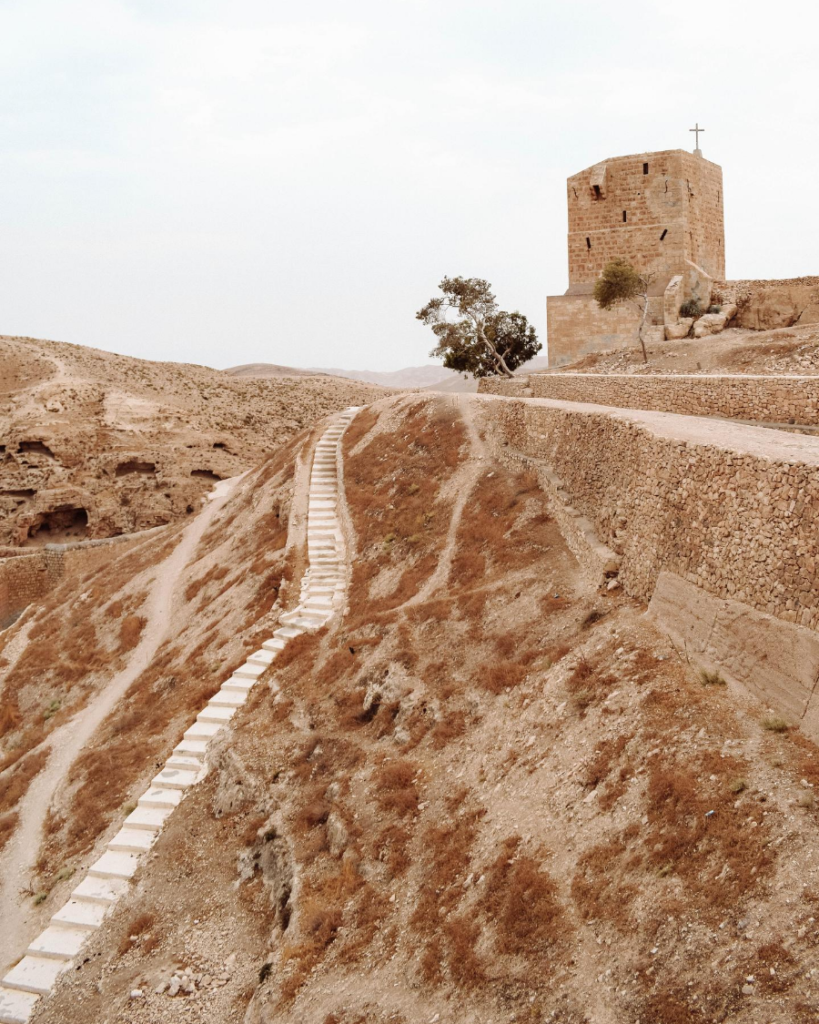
[[231, 182]]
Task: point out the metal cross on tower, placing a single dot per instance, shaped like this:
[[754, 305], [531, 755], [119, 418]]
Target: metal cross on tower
[[697, 131]]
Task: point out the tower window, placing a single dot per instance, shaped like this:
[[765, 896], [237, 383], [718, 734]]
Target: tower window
[[645, 168], [588, 242], [625, 217], [662, 236], [596, 191]]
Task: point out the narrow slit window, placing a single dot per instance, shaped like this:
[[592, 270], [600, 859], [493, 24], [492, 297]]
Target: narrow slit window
[[662, 236], [645, 168], [625, 216], [588, 242], [596, 191]]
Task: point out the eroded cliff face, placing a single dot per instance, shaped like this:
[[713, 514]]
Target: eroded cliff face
[[96, 445]]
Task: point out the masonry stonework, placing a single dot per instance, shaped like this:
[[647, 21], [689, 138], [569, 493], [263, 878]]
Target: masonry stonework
[[782, 400], [658, 210]]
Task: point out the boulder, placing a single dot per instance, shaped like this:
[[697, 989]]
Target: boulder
[[679, 330], [713, 323]]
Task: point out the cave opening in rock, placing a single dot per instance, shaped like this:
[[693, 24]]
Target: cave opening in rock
[[58, 526]]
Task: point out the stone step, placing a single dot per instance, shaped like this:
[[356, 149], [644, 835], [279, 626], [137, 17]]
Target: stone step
[[58, 943], [100, 890], [176, 778], [80, 914], [288, 632], [227, 699], [184, 762], [115, 865], [151, 819], [274, 645], [250, 671], [211, 715], [261, 657], [133, 840], [16, 1006], [158, 796], [34, 974], [203, 731], [234, 685], [191, 748]]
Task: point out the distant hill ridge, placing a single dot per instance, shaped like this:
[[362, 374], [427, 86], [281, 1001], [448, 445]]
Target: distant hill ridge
[[431, 376]]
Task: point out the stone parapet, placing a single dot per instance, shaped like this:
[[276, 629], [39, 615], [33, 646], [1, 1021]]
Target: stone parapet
[[762, 399]]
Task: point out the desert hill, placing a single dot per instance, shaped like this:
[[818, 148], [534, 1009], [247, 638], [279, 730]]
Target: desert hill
[[96, 444], [490, 790]]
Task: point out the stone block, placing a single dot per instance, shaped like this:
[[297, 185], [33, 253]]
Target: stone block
[[100, 890], [34, 974], [681, 329], [16, 1006], [80, 914], [58, 943], [115, 865]]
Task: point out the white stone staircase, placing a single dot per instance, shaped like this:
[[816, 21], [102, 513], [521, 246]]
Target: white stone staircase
[[322, 594]]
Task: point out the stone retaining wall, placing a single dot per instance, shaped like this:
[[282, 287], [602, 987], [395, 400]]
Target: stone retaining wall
[[763, 399], [27, 576], [732, 509]]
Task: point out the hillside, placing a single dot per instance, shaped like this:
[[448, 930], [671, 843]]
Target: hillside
[[96, 444], [489, 791], [781, 351]]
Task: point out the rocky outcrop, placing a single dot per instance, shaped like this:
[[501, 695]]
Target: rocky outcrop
[[765, 305]]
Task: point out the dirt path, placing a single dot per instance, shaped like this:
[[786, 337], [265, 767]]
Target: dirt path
[[20, 921], [462, 484]]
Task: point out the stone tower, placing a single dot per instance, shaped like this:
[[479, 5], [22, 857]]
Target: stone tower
[[658, 210], [663, 212]]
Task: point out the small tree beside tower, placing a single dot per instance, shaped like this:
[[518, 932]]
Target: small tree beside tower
[[620, 282]]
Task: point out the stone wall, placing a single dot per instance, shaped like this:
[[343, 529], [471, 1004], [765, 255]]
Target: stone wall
[[576, 325], [732, 509], [27, 576], [781, 399]]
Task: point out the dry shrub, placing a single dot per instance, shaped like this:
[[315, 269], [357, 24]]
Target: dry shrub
[[395, 787], [502, 676], [15, 781], [446, 852], [520, 898], [8, 823], [599, 888], [10, 717], [466, 966], [130, 631], [695, 830], [136, 932]]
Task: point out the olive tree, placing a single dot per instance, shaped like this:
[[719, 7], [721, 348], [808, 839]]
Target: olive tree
[[620, 282], [474, 335]]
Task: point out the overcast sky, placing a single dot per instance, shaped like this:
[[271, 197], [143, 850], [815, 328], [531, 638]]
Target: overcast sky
[[231, 182]]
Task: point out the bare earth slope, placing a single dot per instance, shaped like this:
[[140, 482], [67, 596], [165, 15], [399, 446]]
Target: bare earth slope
[[487, 793], [94, 444], [785, 350]]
